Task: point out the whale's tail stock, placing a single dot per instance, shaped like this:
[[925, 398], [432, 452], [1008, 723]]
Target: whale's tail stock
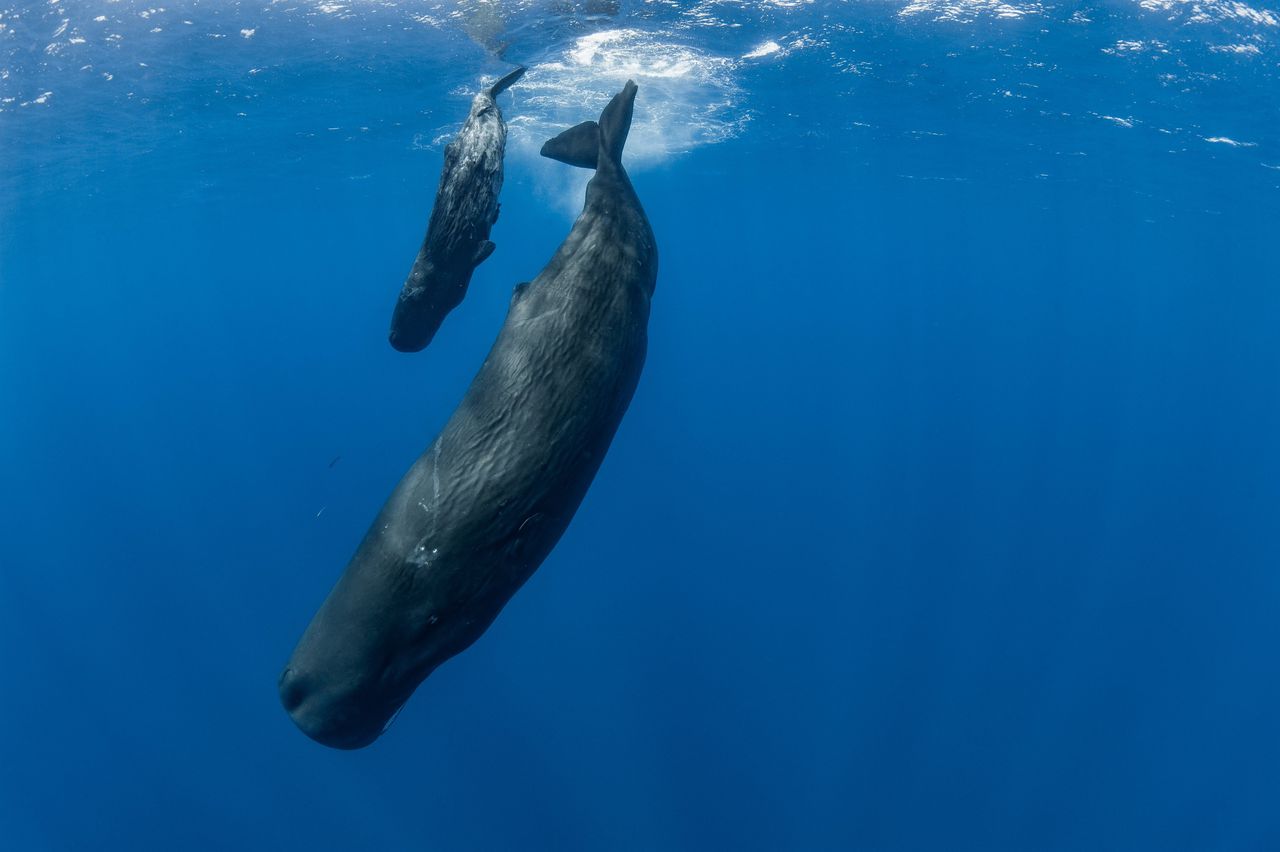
[[591, 144]]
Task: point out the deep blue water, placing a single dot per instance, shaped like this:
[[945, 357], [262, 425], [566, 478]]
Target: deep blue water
[[946, 516]]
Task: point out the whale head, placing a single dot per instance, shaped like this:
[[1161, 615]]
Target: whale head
[[358, 662]]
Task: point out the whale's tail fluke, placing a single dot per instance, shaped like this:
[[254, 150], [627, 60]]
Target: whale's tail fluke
[[590, 144], [577, 146], [505, 82]]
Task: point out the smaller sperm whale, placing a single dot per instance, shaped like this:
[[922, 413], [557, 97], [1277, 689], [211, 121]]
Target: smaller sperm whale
[[481, 509], [457, 239]]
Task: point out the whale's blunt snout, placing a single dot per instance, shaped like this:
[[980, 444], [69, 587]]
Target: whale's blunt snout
[[414, 323], [322, 720], [403, 342], [292, 691]]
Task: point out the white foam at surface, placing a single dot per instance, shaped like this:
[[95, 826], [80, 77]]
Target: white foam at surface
[[1136, 46], [1204, 11], [963, 11], [766, 49], [1226, 140], [688, 98]]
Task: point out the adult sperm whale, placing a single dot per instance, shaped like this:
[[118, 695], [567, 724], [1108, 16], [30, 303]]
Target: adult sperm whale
[[488, 500], [457, 239]]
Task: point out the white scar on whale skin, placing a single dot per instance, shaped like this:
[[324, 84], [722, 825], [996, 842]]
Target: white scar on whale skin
[[419, 552], [550, 312], [435, 485], [435, 482]]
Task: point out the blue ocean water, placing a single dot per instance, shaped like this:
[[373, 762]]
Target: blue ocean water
[[946, 516]]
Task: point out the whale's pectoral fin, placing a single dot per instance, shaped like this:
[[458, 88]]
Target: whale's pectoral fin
[[577, 146], [483, 251], [517, 295]]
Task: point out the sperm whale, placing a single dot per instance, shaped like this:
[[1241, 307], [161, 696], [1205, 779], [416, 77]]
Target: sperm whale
[[465, 209], [487, 501]]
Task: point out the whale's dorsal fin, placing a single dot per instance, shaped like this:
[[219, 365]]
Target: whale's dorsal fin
[[577, 146]]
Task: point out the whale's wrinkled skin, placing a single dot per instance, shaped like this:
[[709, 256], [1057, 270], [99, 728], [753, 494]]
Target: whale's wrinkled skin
[[483, 506], [457, 239]]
